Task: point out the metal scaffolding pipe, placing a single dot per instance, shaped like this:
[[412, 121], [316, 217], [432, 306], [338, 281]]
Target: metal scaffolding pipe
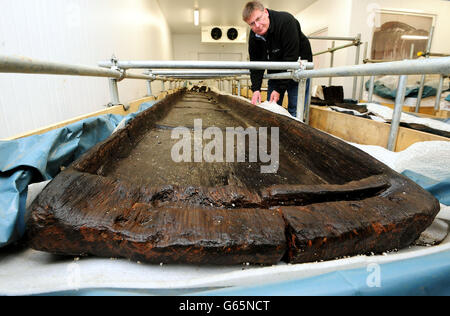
[[439, 94], [371, 88], [361, 87], [308, 102], [301, 100], [174, 73], [398, 107], [255, 65], [137, 76], [420, 93], [330, 80], [149, 88], [193, 76], [355, 79], [406, 67], [25, 65], [422, 80], [114, 92], [432, 54], [374, 61], [333, 49], [280, 75], [411, 51], [333, 38]]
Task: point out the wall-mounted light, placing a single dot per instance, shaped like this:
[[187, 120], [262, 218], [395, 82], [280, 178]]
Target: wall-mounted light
[[414, 37], [196, 17]]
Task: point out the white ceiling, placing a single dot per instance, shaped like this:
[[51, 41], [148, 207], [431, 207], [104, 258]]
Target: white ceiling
[[180, 13]]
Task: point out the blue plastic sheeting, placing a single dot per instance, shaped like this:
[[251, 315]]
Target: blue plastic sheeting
[[421, 276], [440, 189], [447, 98], [39, 157], [428, 275], [385, 92]]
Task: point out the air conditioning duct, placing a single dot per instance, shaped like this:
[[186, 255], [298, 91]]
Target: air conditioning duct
[[224, 34]]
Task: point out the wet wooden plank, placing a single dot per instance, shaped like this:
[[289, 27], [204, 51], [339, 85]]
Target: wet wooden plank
[[324, 231], [82, 214]]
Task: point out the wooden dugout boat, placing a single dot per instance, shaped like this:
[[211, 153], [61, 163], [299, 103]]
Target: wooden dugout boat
[[126, 197]]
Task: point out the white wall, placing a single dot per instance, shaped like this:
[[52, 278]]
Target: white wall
[[350, 17], [334, 15], [76, 32], [190, 47]]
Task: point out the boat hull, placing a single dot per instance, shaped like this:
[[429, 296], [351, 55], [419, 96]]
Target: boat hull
[[127, 198]]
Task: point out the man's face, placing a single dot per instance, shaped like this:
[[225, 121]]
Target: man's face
[[259, 21]]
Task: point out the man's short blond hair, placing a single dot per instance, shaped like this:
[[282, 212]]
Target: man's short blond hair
[[250, 7]]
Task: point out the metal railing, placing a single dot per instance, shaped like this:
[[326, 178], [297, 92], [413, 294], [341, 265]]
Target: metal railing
[[298, 71], [25, 65], [439, 91], [118, 70], [426, 54], [439, 66], [256, 65], [356, 41]]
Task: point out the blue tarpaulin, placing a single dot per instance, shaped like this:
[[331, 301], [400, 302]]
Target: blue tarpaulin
[[385, 92], [440, 189], [40, 157], [428, 275]]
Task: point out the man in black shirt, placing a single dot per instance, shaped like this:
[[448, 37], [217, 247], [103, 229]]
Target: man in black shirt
[[275, 36]]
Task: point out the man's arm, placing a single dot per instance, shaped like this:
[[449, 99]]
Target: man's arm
[[256, 76], [290, 47]]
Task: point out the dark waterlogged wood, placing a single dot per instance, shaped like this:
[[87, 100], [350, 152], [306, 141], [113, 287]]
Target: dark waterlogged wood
[[127, 197]]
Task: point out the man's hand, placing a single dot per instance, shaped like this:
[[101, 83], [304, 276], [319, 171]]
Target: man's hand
[[256, 98], [274, 97]]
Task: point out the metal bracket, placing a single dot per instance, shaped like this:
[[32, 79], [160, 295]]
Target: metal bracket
[[125, 106], [295, 73], [114, 62]]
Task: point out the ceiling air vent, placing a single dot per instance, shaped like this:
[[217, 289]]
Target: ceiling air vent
[[224, 34], [216, 33], [232, 33]]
